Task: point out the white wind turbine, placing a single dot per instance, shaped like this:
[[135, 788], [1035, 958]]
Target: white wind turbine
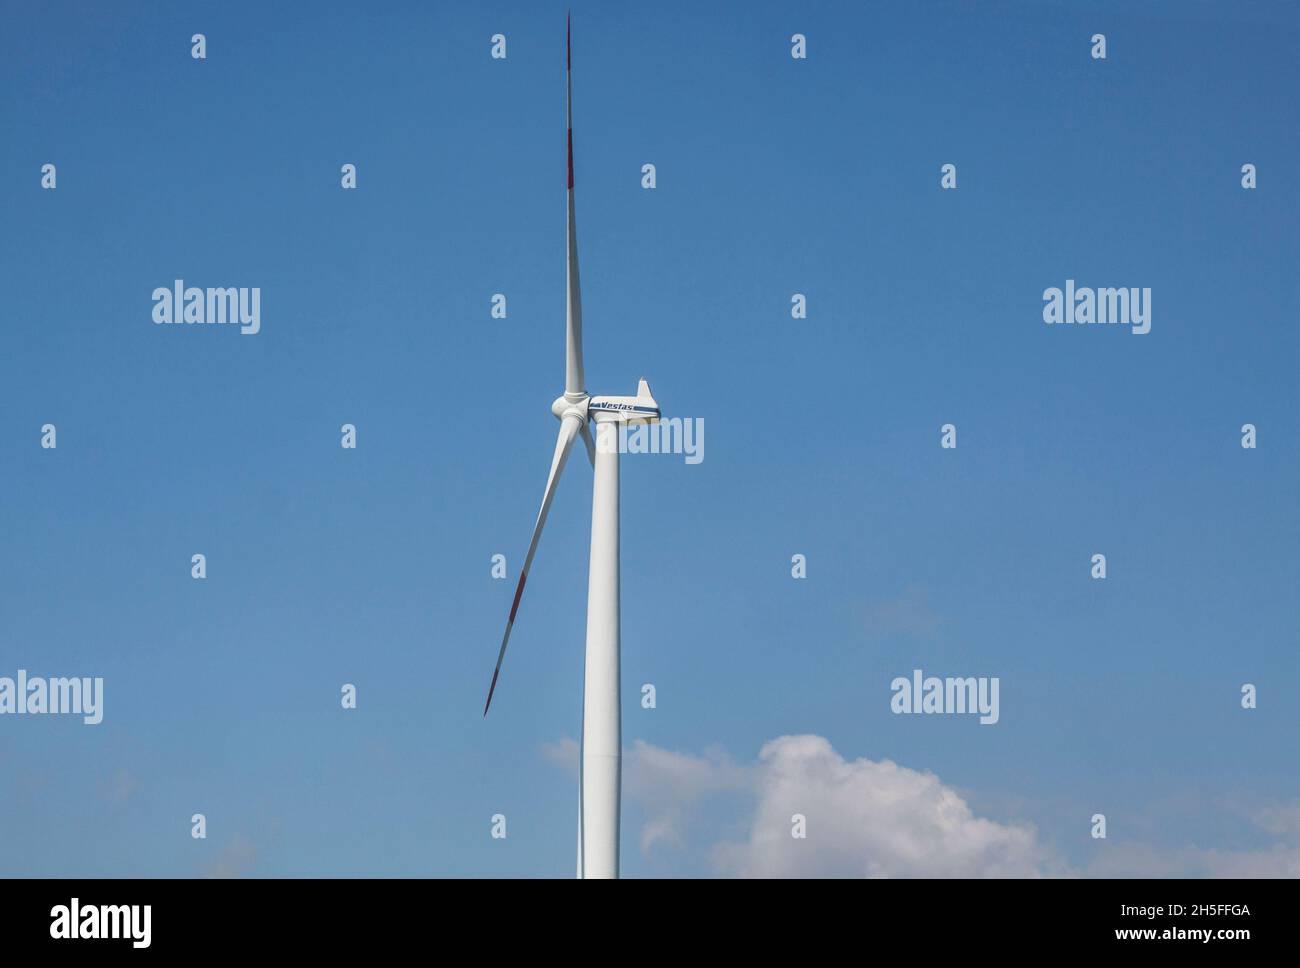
[[600, 769]]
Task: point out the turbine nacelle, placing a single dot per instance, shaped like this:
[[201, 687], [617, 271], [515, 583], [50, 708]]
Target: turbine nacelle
[[642, 408]]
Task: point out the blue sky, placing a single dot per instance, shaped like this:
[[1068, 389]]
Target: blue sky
[[775, 176]]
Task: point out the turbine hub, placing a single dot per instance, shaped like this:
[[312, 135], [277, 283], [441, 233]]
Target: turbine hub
[[565, 406]]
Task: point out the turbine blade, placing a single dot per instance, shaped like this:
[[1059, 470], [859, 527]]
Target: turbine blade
[[568, 430], [574, 382], [591, 444]]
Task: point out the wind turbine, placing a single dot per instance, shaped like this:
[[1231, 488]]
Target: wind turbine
[[600, 770]]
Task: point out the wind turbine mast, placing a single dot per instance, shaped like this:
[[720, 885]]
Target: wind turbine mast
[[600, 770]]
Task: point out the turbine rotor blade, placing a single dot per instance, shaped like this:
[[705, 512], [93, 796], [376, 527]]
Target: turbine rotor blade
[[591, 444], [574, 382], [564, 442]]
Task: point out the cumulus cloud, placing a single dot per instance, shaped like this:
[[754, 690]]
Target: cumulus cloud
[[671, 784], [1141, 860], [1279, 858], [668, 784], [563, 752], [863, 818], [870, 819]]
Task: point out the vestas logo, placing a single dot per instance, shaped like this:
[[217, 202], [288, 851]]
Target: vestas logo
[[609, 405]]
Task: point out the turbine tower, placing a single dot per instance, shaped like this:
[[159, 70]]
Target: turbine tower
[[600, 770]]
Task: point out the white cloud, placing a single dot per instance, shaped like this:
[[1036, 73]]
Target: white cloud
[[870, 819], [864, 819], [670, 784], [667, 783], [1141, 860], [1281, 858], [1276, 861], [563, 752]]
